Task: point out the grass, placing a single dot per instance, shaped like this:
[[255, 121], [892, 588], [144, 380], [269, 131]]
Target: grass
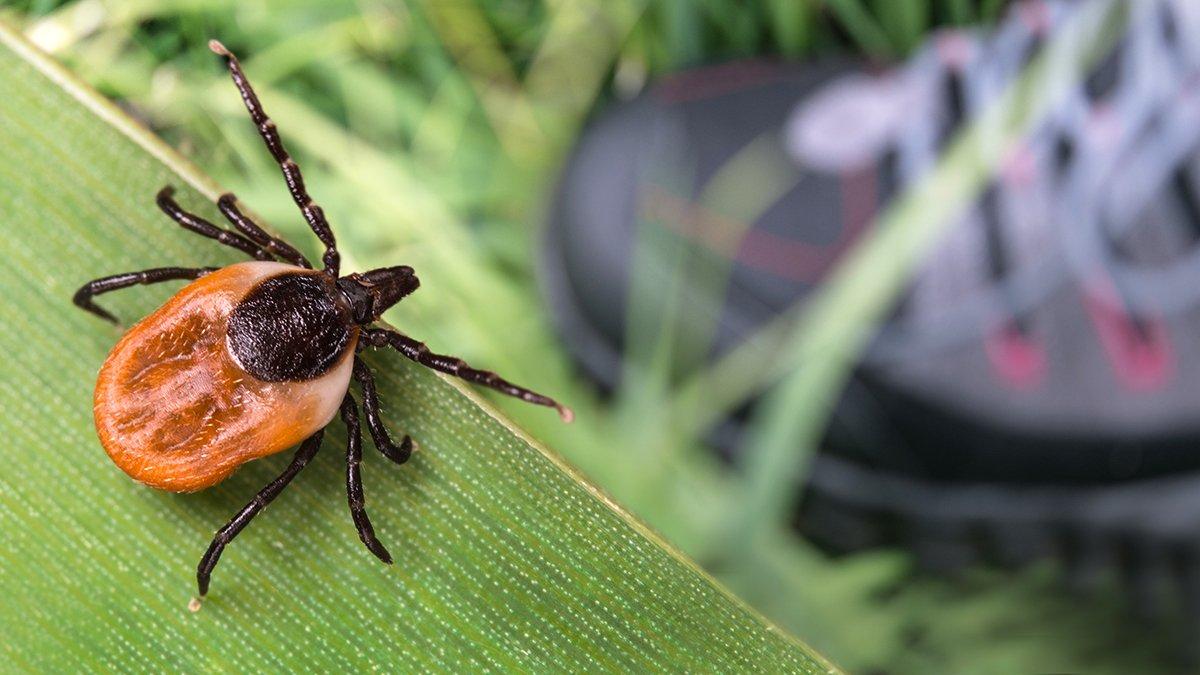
[[505, 558], [431, 133]]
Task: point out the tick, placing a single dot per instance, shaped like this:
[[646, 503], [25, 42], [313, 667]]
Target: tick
[[251, 359]]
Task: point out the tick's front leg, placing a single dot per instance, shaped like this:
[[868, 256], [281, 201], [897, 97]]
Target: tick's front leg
[[417, 351]]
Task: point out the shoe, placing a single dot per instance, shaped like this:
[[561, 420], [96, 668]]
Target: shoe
[[1036, 394]]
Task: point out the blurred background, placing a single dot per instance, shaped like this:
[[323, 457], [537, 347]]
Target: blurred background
[[884, 311]]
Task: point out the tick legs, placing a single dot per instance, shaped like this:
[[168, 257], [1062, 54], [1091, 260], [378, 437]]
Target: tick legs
[[239, 522], [417, 351], [83, 297], [379, 434], [228, 205], [354, 489], [204, 228], [291, 172]]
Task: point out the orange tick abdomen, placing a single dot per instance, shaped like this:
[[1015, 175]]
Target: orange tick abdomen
[[175, 410]]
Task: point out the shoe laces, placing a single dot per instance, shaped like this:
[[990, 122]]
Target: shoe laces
[[1090, 197]]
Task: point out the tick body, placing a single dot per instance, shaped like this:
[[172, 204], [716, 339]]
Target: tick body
[[238, 365], [254, 358]]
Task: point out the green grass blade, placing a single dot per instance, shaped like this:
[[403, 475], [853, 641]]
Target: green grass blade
[[505, 558], [862, 26]]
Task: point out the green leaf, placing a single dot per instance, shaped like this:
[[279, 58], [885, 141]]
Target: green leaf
[[505, 557]]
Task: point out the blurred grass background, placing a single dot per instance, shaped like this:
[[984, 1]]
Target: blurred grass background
[[431, 132]]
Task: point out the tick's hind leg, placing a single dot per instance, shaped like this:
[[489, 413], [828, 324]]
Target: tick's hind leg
[[379, 433], [228, 205], [83, 297], [354, 489], [204, 228], [239, 522], [417, 351]]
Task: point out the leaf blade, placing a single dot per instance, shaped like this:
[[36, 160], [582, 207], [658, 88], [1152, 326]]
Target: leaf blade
[[505, 558]]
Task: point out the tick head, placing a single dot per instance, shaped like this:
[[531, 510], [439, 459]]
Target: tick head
[[370, 294]]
